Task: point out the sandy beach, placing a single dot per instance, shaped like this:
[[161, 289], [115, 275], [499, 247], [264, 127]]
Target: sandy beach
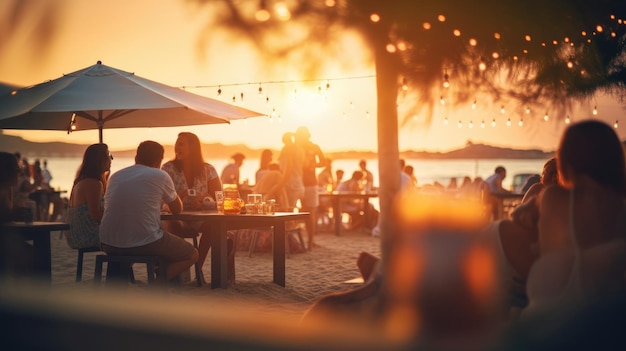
[[309, 275]]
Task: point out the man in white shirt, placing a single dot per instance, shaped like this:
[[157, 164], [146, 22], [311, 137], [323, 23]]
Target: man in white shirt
[[131, 224]]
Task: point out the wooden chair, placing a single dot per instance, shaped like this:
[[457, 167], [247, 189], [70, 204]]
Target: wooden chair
[[79, 263], [119, 266]]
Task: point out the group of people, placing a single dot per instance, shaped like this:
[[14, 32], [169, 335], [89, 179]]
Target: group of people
[[33, 185], [562, 253]]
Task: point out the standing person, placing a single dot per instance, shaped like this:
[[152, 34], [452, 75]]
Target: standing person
[[368, 177], [230, 173], [266, 158], [313, 158], [195, 182], [494, 182], [131, 224], [291, 160], [86, 203], [47, 176], [325, 180]]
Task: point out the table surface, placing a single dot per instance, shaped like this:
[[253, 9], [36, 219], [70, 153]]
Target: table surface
[[220, 224], [35, 226]]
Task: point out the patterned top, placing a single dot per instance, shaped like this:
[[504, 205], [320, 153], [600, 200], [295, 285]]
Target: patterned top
[[200, 183], [83, 229]]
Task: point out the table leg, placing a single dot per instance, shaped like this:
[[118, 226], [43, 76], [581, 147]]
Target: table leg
[[279, 254], [219, 257], [337, 215]]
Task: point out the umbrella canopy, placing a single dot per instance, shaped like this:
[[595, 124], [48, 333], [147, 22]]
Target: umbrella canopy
[[100, 97]]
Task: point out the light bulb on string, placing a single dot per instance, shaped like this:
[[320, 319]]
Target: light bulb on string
[[545, 117], [493, 122], [567, 120], [234, 100], [474, 105], [442, 101], [260, 90], [219, 90], [273, 112], [470, 125], [615, 124], [405, 87], [527, 110], [482, 124], [502, 111], [446, 82], [595, 111], [367, 115], [508, 122], [262, 14], [267, 101], [521, 122], [445, 121], [241, 95], [460, 124]]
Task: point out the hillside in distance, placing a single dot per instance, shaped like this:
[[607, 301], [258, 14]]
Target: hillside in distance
[[33, 150]]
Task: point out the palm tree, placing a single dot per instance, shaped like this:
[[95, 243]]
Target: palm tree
[[532, 53]]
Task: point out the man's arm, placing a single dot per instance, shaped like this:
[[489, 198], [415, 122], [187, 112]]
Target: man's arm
[[176, 206]]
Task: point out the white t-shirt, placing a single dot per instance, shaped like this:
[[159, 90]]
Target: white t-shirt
[[132, 206]]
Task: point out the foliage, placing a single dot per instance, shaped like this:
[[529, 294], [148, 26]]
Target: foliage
[[535, 53]]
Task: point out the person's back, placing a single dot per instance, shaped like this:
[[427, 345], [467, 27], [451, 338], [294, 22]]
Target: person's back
[[131, 224], [582, 222]]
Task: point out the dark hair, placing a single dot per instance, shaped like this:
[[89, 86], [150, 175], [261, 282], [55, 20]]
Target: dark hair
[[149, 153], [196, 159], [592, 148], [500, 169], [266, 159], [550, 173], [95, 163], [9, 168]]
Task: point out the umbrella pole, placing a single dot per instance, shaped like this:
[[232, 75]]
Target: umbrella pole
[[100, 125]]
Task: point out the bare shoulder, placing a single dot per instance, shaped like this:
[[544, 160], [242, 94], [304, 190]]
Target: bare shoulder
[[553, 195]]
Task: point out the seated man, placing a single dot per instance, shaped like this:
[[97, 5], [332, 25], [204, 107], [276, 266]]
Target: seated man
[[356, 207], [131, 224]]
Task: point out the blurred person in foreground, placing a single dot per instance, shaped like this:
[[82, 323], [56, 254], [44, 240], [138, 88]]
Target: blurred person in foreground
[[86, 203], [131, 224], [582, 223], [16, 255], [196, 182]]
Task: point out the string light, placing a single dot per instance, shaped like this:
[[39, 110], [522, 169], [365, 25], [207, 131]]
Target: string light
[[508, 122], [482, 124], [445, 121], [474, 105], [470, 125], [595, 111], [567, 121], [460, 124], [493, 122], [446, 82], [405, 87], [442, 101], [545, 117], [260, 91], [219, 91], [615, 124], [521, 122]]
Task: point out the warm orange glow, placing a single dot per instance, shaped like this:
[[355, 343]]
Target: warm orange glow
[[479, 270], [473, 42], [390, 48], [495, 55], [262, 15], [282, 11], [331, 3], [426, 25], [599, 29], [482, 66], [497, 35], [441, 18], [374, 17], [527, 37], [456, 33]]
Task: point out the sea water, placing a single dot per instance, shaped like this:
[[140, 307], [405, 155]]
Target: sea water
[[63, 169]]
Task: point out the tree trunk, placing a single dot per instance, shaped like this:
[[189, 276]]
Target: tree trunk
[[388, 153]]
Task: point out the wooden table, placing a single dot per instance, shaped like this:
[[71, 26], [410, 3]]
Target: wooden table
[[39, 233], [336, 198], [220, 224], [507, 203]]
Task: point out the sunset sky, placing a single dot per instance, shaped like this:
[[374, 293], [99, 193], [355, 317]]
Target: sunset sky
[[157, 40]]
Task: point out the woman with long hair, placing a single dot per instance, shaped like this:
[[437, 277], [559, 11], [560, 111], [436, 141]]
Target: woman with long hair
[[86, 203], [196, 183]]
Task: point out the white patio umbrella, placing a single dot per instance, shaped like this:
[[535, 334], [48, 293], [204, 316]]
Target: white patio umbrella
[[100, 97]]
